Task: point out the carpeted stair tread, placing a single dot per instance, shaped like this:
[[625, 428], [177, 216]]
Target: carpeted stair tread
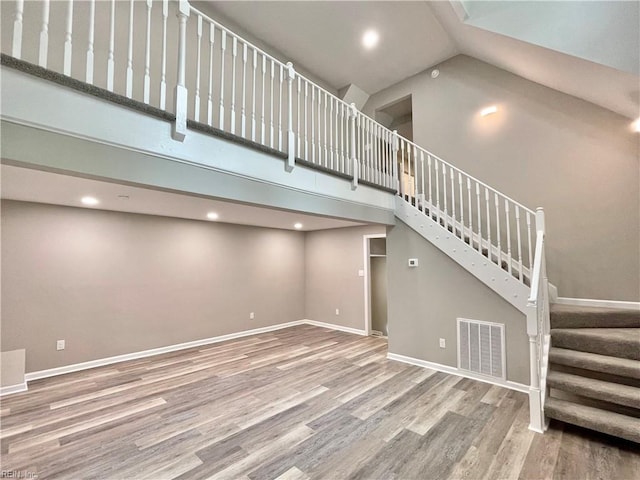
[[614, 342], [603, 421], [571, 316], [592, 388], [622, 367]]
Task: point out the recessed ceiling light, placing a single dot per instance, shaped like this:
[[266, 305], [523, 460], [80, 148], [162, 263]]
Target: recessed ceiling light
[[212, 216], [635, 126], [90, 201], [488, 111], [435, 73], [370, 39], [297, 226]]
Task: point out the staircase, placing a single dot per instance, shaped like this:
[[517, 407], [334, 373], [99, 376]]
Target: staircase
[[594, 369]]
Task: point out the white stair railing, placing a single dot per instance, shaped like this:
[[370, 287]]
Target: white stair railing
[[490, 222], [224, 82]]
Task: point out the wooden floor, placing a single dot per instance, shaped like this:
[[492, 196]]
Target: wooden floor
[[302, 402]]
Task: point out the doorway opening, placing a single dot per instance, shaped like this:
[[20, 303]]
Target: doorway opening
[[375, 261]]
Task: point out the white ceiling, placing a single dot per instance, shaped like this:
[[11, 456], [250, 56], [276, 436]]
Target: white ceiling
[[53, 188], [324, 37]]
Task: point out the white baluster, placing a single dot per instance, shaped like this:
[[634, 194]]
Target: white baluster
[[430, 187], [181, 93], [422, 180], [280, 101], [243, 116], [298, 119], [370, 151], [360, 142], [461, 206], [271, 129], [253, 97], [444, 192], [146, 89], [489, 246], [479, 217], [331, 130], [529, 243], [90, 40], [196, 99], [223, 48], [291, 147], [129, 77], [212, 41], [437, 176], [394, 155], [416, 184], [508, 222], [234, 57], [519, 240], [319, 120], [326, 159], [498, 235], [111, 59], [163, 74], [68, 47], [376, 153], [306, 129], [16, 46], [44, 36], [470, 212], [453, 201], [262, 129], [313, 130]]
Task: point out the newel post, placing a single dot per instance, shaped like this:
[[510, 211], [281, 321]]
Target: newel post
[[394, 147], [353, 115], [291, 158], [16, 46], [181, 95]]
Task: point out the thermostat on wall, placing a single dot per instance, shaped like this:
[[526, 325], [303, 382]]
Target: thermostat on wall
[[413, 262]]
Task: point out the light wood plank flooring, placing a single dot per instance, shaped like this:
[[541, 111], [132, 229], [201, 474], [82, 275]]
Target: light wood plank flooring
[[298, 403]]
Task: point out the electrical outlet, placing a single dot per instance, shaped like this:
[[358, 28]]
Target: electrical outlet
[[337, 311], [252, 315], [60, 345], [443, 343]]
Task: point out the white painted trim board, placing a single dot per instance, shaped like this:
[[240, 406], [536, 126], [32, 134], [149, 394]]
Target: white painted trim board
[[590, 302], [460, 373], [9, 389], [52, 372]]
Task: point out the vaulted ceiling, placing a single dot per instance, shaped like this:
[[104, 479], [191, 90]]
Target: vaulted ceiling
[[325, 38]]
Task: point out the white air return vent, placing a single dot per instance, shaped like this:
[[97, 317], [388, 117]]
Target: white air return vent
[[481, 347]]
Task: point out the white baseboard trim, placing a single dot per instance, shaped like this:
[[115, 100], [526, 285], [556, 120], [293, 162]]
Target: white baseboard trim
[[332, 326], [8, 390], [589, 302], [460, 373], [52, 372]]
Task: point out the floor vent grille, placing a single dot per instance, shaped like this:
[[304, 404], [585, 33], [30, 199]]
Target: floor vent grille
[[481, 347]]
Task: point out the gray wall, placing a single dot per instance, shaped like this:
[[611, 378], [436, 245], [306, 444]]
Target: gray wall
[[113, 283], [424, 303], [543, 148], [332, 260], [379, 294]]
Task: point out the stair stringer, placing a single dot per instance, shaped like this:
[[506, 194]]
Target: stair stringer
[[500, 281]]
